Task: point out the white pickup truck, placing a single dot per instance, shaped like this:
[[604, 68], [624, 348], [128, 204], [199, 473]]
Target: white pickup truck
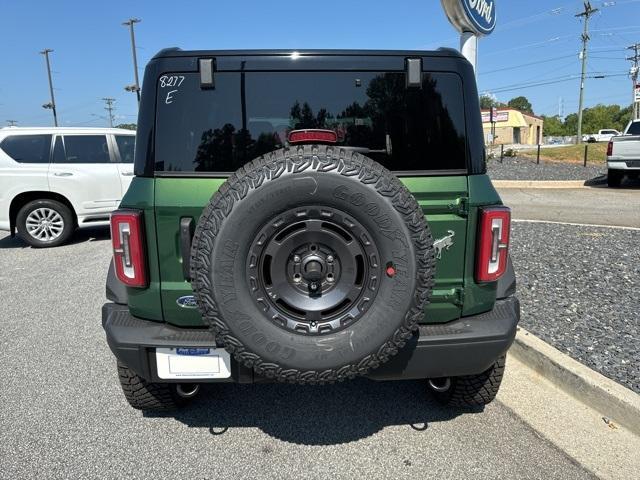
[[602, 136], [623, 155]]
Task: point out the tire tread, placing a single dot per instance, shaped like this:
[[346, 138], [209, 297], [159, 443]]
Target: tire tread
[[298, 160]]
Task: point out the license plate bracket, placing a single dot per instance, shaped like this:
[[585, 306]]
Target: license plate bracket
[[193, 363]]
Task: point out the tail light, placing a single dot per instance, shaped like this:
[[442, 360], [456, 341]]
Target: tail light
[[493, 243], [313, 135], [610, 149], [127, 238]]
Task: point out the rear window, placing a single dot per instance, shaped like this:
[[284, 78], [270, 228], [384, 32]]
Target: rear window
[[634, 129], [126, 145], [28, 148], [86, 149], [249, 114]]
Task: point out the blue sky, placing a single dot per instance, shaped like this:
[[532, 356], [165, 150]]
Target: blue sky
[[92, 57]]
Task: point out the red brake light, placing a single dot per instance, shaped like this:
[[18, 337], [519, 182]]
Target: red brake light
[[127, 238], [314, 135], [493, 243], [610, 149]]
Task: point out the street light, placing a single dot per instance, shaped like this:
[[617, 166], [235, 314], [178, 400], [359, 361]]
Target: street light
[[52, 104], [136, 86]]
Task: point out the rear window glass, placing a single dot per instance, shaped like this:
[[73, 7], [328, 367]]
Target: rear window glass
[[634, 129], [28, 148], [249, 114], [126, 145], [86, 149]]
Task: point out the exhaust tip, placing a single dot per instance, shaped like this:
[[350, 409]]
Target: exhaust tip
[[187, 390], [440, 384]]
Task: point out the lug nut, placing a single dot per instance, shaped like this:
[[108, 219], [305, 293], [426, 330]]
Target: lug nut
[[313, 286], [296, 258], [297, 278], [329, 258]]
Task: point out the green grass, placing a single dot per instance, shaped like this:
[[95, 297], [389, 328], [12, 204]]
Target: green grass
[[596, 153]]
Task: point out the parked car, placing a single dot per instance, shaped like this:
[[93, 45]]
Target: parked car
[[54, 180], [285, 223], [602, 136], [623, 155]]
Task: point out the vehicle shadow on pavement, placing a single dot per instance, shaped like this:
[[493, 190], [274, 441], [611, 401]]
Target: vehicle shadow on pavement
[[626, 184], [315, 415], [79, 236]]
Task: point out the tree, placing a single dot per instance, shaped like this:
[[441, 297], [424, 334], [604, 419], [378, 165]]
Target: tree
[[127, 126], [487, 101], [553, 126], [521, 103]]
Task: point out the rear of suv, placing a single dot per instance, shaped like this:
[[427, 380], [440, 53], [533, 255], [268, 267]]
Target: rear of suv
[[309, 217]]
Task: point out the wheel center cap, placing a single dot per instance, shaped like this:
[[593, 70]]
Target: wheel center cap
[[314, 270]]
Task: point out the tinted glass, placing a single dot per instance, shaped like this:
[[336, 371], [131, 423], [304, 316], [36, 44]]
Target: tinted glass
[[28, 148], [58, 151], [219, 130], [86, 149], [634, 129], [126, 144]]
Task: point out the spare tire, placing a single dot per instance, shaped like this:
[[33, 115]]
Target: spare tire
[[312, 264]]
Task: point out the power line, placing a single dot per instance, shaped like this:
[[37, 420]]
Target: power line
[[527, 64], [513, 87], [586, 14]]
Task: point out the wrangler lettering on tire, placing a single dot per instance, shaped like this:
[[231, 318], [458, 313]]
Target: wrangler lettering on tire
[[283, 276]]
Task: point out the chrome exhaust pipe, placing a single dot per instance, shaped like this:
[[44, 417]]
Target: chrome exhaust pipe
[[440, 384], [187, 390]]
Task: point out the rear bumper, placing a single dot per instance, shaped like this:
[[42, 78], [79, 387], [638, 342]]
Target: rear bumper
[[626, 164], [466, 346]]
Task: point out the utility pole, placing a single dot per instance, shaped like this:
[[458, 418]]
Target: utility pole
[[635, 109], [136, 86], [12, 123], [52, 103], [588, 11], [109, 108], [561, 109]]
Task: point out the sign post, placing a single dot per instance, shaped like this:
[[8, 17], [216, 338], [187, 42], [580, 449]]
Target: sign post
[[473, 19]]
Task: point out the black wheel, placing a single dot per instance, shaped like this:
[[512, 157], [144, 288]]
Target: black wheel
[[469, 390], [312, 264], [614, 178], [143, 395], [45, 223]]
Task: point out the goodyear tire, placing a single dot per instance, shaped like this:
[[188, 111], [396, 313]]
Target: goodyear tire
[[312, 264]]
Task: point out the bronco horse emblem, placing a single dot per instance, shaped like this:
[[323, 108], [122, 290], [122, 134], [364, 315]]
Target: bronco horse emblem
[[444, 243]]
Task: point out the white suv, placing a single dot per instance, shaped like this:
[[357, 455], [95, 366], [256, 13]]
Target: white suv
[[54, 180]]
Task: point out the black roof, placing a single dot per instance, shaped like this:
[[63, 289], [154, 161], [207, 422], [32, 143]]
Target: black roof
[[178, 52]]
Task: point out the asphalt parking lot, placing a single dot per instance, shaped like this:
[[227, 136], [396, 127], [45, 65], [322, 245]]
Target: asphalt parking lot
[[63, 414]]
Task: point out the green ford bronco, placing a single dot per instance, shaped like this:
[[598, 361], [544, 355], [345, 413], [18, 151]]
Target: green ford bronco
[[309, 217]]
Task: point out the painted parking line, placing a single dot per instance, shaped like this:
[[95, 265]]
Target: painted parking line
[[620, 227]]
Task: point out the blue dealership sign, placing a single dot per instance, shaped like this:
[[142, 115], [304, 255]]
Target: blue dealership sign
[[476, 16]]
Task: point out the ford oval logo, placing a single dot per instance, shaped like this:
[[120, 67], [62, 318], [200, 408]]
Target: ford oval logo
[[188, 301], [482, 14], [476, 16]]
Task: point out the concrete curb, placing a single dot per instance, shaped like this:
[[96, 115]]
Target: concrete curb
[[591, 388], [538, 183]]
